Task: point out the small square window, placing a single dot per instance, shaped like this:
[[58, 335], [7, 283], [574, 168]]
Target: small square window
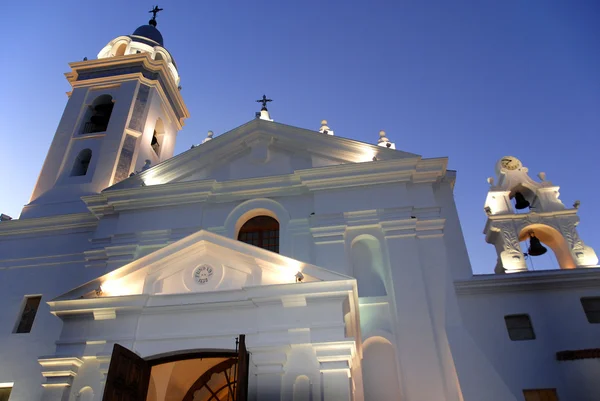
[[591, 307], [28, 314], [519, 327], [5, 393]]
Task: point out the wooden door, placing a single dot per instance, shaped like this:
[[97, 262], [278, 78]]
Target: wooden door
[[128, 376], [242, 375]]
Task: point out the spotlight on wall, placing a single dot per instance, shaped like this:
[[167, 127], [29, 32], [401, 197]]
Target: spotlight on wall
[[576, 204], [299, 277], [488, 210]]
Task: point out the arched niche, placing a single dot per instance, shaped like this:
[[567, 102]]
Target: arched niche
[[301, 390], [85, 394], [120, 51], [367, 266], [380, 370], [254, 208], [554, 240]]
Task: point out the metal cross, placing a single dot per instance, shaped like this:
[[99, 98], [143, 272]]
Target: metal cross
[[155, 11], [264, 102]]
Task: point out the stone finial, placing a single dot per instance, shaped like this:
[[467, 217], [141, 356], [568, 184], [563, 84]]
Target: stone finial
[[490, 180], [384, 141], [324, 128], [209, 136], [542, 176]]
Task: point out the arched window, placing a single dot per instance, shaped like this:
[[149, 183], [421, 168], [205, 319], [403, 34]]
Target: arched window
[[99, 115], [157, 136], [261, 231], [82, 162]]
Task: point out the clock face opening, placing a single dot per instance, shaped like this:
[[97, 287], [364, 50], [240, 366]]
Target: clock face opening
[[510, 163]]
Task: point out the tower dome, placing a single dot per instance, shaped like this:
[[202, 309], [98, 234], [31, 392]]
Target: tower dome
[[145, 39], [149, 32]]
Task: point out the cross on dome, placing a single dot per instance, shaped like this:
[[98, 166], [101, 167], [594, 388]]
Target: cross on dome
[[154, 11]]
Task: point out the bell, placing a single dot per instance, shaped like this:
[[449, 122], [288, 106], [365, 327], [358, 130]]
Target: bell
[[535, 247], [521, 202]]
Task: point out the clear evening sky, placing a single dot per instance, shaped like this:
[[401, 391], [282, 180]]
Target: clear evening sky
[[471, 80]]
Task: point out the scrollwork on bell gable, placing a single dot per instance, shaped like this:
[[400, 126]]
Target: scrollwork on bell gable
[[569, 230], [510, 240]]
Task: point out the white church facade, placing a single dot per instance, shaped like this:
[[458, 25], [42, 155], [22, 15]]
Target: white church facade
[[274, 262]]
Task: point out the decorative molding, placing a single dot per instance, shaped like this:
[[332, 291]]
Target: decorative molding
[[48, 225], [529, 281], [59, 371]]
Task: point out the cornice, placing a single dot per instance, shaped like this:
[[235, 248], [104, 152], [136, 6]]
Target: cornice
[[301, 181], [51, 224], [168, 89], [529, 281]]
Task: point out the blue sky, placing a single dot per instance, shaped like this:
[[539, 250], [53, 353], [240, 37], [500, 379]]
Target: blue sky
[[471, 80]]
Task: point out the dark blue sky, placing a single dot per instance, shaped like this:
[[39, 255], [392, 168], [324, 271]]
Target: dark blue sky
[[471, 80]]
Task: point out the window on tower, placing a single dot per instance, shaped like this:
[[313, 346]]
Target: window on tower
[[519, 327], [261, 231], [98, 115], [28, 313], [82, 163], [591, 307], [157, 136]]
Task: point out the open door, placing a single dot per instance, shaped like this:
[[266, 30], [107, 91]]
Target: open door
[[242, 374], [128, 376]]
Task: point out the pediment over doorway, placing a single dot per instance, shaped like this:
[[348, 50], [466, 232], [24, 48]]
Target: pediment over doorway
[[201, 262]]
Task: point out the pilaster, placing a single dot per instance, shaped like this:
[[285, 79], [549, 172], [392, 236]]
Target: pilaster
[[417, 348], [268, 368]]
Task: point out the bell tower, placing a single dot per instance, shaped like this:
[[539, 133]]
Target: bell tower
[[537, 216], [123, 113]]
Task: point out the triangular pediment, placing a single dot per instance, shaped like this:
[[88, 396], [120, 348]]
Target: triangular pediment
[[261, 148], [201, 262]]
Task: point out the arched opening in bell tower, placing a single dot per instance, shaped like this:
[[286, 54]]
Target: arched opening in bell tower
[[553, 239], [158, 136], [82, 163], [98, 115]]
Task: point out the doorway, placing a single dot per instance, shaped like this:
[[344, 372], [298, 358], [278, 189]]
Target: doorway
[[191, 376]]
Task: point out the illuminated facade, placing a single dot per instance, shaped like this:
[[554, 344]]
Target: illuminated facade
[[340, 266]]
